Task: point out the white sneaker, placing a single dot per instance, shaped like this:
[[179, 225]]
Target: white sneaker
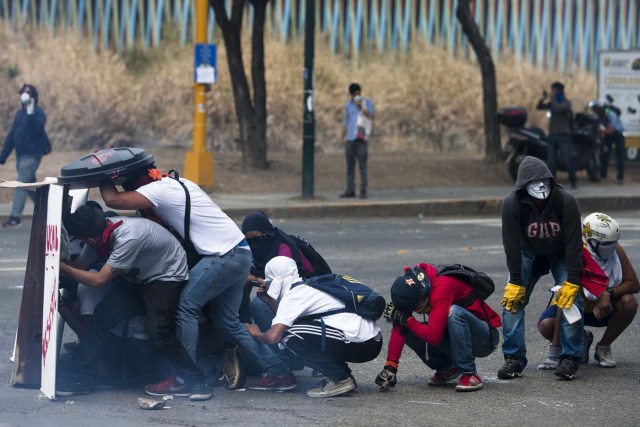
[[329, 388], [549, 363], [603, 356]]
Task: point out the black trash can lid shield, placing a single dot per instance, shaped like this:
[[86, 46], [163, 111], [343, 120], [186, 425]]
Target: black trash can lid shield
[[109, 163]]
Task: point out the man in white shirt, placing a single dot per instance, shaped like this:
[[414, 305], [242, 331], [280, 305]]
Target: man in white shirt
[[298, 326]]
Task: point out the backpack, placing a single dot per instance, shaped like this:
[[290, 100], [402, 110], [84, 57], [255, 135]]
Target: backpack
[[358, 297], [482, 284], [320, 266]]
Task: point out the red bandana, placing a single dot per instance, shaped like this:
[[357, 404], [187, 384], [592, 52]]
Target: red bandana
[[103, 250]]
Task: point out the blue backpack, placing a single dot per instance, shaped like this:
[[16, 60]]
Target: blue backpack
[[358, 297]]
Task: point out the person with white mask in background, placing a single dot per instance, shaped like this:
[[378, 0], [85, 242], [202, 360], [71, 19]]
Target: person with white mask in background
[[541, 231]]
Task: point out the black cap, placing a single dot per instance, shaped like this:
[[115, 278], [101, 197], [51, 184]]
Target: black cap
[[408, 290]]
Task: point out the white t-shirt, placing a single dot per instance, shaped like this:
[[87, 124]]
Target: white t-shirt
[[303, 300], [212, 231]]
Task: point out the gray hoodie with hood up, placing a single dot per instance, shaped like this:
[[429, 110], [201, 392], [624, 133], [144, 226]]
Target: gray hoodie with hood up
[[556, 230]]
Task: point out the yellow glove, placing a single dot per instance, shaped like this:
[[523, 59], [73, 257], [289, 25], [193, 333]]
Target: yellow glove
[[513, 297], [566, 295]]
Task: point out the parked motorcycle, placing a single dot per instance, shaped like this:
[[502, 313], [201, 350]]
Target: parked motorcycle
[[532, 141]]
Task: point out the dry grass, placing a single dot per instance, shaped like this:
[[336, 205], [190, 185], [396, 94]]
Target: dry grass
[[426, 101]]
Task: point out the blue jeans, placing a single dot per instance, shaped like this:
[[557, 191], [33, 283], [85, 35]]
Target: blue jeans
[[26, 167], [262, 314], [571, 336], [466, 338], [220, 279]]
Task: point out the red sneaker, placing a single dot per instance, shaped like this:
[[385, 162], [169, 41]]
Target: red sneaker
[[273, 382], [168, 386], [442, 378], [469, 383]]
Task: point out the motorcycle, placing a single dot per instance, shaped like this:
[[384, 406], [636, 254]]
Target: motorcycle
[[532, 141]]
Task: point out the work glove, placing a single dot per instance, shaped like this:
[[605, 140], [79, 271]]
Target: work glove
[[567, 295], [387, 378], [395, 315], [31, 106], [513, 297]]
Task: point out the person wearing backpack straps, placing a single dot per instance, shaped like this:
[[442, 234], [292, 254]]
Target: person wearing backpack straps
[[454, 336], [216, 280], [305, 317], [540, 224]]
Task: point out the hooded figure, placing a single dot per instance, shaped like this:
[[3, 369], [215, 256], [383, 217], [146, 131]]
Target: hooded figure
[[541, 230], [280, 273]]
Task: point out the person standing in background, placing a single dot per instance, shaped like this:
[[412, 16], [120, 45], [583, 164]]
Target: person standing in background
[[358, 118], [30, 140]]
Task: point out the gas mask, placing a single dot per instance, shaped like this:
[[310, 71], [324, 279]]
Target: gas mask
[[539, 189]]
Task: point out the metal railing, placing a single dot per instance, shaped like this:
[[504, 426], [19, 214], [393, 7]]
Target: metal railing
[[557, 34]]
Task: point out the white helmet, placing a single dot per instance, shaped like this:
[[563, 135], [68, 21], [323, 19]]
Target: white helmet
[[601, 232]]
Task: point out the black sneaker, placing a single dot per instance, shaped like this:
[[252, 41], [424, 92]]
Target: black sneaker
[[76, 385], [511, 369], [201, 391], [567, 368], [12, 222], [588, 340]]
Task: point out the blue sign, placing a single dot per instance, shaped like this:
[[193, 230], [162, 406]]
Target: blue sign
[[205, 71]]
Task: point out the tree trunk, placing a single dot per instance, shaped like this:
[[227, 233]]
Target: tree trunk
[[258, 145], [489, 93], [250, 136]]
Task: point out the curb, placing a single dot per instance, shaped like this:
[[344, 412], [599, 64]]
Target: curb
[[422, 208]]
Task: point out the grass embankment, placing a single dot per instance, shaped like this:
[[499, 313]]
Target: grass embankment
[[425, 100]]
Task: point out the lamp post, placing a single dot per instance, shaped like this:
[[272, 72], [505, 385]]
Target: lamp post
[[309, 124], [199, 161]]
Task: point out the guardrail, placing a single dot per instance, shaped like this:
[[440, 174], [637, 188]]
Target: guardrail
[[557, 34]]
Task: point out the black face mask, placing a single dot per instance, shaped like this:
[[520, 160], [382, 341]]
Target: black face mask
[[261, 248]]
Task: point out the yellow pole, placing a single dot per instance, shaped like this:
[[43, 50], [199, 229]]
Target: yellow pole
[[198, 161]]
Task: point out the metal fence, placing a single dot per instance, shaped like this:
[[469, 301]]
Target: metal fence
[[556, 34]]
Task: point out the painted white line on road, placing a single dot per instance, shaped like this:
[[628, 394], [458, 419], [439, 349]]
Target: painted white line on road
[[12, 269], [429, 403], [13, 261]]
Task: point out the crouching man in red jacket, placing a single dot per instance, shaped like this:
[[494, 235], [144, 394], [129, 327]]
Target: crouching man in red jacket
[[452, 338]]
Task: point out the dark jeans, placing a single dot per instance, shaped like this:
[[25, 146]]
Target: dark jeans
[[356, 149], [158, 300], [617, 139], [304, 339], [561, 142]]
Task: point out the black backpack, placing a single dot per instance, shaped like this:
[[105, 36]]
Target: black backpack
[[482, 284], [300, 245], [358, 297]]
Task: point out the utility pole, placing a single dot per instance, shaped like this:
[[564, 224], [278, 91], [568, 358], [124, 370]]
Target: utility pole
[[309, 123], [198, 164]]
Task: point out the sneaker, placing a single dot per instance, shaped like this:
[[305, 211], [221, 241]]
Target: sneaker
[[169, 386], [443, 377], [348, 194], [200, 392], [603, 356], [273, 382], [511, 369], [471, 382], [77, 385], [12, 222], [566, 369], [588, 339], [328, 388], [549, 363], [232, 369]]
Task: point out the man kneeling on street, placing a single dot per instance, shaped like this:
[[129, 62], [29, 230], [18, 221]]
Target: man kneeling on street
[[461, 327], [325, 343], [154, 265]]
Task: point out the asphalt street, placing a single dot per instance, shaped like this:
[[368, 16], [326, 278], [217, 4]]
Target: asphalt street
[[373, 250]]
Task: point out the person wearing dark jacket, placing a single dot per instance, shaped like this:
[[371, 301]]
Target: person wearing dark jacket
[[541, 230], [454, 335], [29, 138], [559, 130]]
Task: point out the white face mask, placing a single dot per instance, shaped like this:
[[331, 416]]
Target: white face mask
[[539, 189], [24, 98], [604, 251]]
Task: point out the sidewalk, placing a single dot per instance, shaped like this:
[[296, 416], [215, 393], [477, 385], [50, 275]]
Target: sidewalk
[[428, 202]]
